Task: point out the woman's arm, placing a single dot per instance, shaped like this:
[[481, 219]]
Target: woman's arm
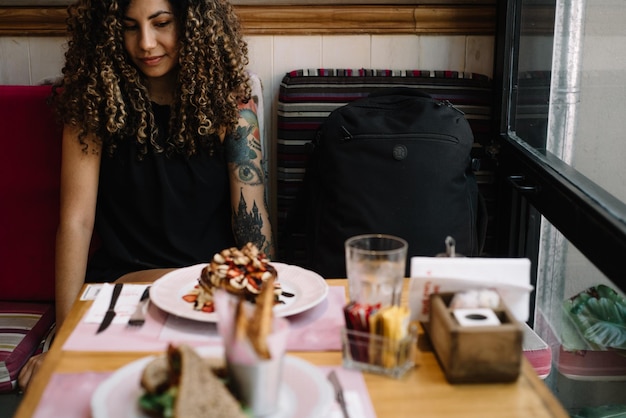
[[79, 191], [251, 221], [80, 171]]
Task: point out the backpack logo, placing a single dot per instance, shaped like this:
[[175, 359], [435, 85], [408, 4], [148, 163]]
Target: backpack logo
[[399, 152]]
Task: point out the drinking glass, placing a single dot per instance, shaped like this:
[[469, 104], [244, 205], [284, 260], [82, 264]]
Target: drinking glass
[[375, 265]]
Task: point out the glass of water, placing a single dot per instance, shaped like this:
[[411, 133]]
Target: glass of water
[[375, 265]]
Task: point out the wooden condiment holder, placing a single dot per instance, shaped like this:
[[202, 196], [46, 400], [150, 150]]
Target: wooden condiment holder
[[476, 354]]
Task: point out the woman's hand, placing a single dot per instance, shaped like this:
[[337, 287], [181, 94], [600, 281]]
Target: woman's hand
[[29, 370]]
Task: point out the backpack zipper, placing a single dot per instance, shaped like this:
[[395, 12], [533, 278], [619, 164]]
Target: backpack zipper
[[348, 136], [450, 105]]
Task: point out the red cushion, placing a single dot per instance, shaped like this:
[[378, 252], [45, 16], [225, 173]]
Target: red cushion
[[29, 193]]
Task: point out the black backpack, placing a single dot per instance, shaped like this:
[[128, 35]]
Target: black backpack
[[396, 162]]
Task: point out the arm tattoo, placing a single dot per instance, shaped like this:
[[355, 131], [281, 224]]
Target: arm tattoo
[[245, 150], [248, 225]]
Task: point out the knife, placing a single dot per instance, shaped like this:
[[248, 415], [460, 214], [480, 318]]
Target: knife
[[334, 380], [110, 314]]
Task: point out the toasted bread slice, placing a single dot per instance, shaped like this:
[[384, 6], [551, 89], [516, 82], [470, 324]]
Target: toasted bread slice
[[201, 394], [241, 321], [260, 325], [155, 377]]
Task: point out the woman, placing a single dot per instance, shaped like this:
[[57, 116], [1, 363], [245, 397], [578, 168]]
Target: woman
[[161, 148]]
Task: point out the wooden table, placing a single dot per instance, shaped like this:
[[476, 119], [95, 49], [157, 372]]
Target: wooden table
[[422, 392]]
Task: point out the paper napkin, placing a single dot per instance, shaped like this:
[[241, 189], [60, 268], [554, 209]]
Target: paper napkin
[[125, 306], [509, 276]]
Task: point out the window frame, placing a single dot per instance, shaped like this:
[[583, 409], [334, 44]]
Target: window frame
[[588, 216]]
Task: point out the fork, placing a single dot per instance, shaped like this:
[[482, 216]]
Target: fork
[[339, 396], [138, 317]]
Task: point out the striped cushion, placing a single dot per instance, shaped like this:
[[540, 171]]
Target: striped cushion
[[306, 97], [23, 328]]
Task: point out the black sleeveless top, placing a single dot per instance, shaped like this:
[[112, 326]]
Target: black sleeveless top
[[161, 211]]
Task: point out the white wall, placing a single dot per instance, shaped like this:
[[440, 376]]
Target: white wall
[[30, 60]]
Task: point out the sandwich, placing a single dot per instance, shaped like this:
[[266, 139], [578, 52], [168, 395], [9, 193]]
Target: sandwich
[[181, 384]]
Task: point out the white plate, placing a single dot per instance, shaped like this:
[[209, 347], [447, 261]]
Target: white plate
[[308, 288], [305, 391]]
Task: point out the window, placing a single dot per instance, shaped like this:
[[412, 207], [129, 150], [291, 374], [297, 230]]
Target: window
[[562, 70], [564, 86]]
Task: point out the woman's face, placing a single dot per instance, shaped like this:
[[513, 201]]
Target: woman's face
[[151, 36]]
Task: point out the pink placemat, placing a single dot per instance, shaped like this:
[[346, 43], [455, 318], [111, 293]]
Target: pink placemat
[[68, 395], [317, 329]]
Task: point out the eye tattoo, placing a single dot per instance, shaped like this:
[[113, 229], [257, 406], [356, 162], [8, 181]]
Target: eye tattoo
[[250, 174]]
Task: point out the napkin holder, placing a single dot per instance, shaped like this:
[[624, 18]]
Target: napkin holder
[[474, 354]]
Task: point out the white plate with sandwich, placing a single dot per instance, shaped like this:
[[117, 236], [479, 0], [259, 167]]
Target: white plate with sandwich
[[304, 392], [302, 290]]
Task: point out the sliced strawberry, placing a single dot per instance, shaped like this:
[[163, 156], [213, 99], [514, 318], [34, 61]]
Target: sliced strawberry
[[190, 298], [233, 272], [254, 283]]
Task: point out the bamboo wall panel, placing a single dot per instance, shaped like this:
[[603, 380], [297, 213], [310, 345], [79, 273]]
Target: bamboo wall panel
[[300, 20]]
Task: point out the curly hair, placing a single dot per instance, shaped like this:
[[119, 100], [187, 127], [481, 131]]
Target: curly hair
[[105, 96]]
